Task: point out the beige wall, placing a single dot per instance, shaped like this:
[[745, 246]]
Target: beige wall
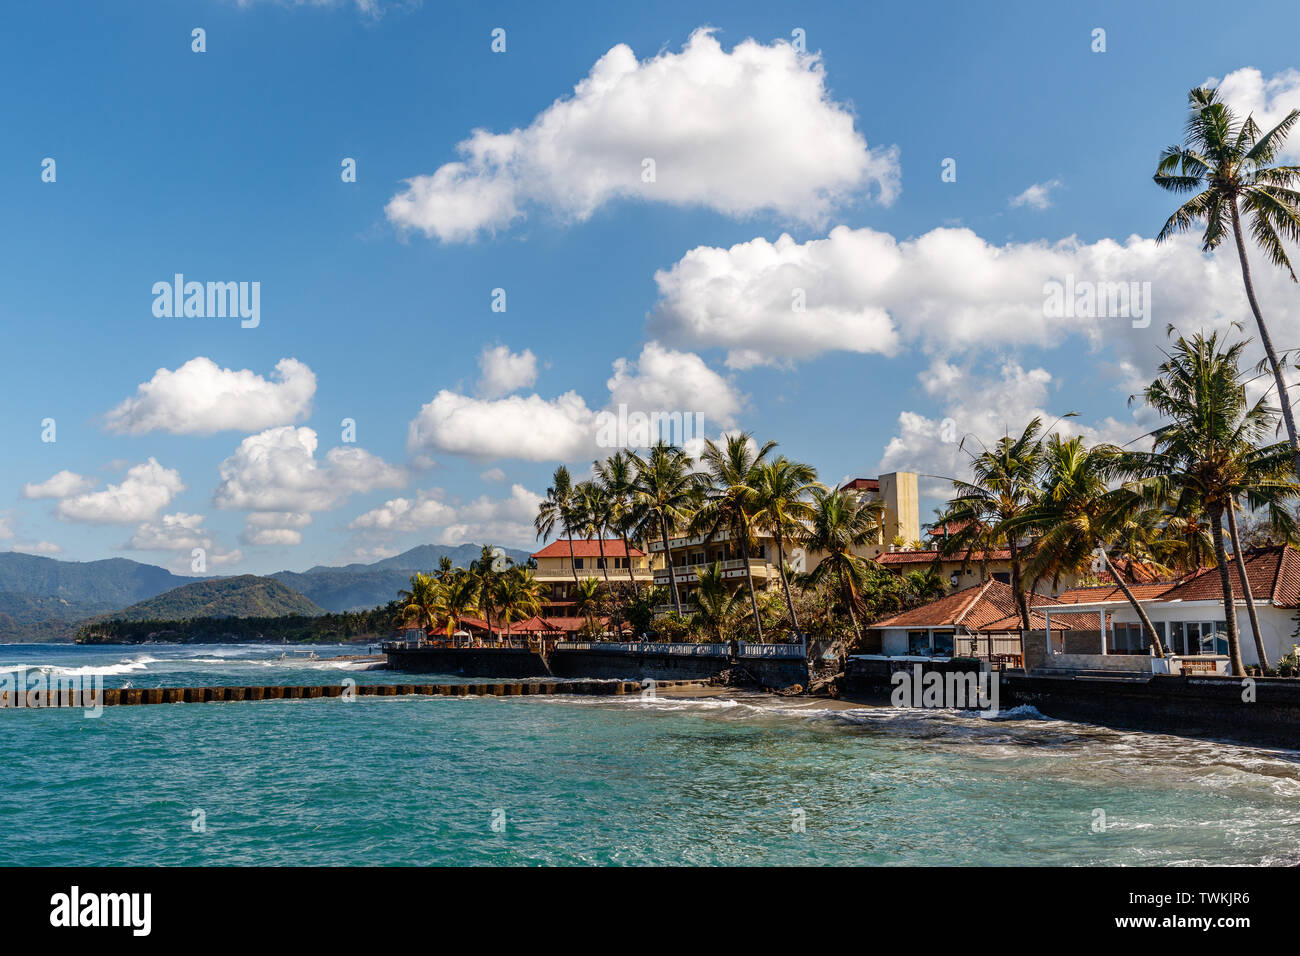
[[898, 491]]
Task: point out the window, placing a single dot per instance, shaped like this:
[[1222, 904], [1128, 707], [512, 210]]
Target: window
[[1003, 576], [577, 563], [918, 643], [1198, 637], [942, 644], [1127, 638]]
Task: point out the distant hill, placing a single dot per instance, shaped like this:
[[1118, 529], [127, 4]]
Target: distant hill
[[246, 595], [42, 599], [355, 587], [111, 583]]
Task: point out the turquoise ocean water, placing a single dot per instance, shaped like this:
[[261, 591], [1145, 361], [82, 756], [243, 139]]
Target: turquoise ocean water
[[745, 779]]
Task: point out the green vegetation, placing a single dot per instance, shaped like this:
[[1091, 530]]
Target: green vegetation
[[373, 625], [246, 595]]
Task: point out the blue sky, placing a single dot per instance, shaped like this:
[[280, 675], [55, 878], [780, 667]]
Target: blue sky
[[224, 165]]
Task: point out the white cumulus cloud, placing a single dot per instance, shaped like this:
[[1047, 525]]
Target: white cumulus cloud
[[946, 291], [277, 471], [201, 398], [504, 371], [144, 491], [738, 132], [59, 485]]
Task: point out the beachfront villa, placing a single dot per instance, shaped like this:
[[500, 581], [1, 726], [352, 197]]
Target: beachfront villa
[[606, 561], [1097, 629], [897, 491]]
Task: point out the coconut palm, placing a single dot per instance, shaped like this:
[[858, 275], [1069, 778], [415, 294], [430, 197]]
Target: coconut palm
[[592, 514], [588, 600], [1080, 519], [1227, 163], [840, 521], [925, 584], [420, 603], [457, 598], [664, 490], [518, 597], [486, 569], [780, 509], [559, 508], [1211, 448], [988, 512], [717, 603], [1265, 483], [729, 499], [615, 475]]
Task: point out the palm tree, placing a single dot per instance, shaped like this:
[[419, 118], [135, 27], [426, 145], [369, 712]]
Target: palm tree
[[420, 602], [518, 597], [664, 490], [592, 514], [1263, 485], [729, 499], [1210, 449], [925, 584], [780, 509], [716, 603], [1079, 518], [989, 510], [615, 476], [1226, 162], [588, 600], [840, 521], [457, 598], [559, 507], [486, 569]]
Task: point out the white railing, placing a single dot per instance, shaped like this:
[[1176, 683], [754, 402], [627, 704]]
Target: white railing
[[685, 650]]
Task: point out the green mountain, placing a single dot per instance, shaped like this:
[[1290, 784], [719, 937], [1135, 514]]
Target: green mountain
[[246, 595], [114, 582], [356, 587], [42, 599]]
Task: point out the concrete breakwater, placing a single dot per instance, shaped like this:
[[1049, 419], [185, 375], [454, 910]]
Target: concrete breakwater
[[610, 664], [130, 696], [1262, 711]]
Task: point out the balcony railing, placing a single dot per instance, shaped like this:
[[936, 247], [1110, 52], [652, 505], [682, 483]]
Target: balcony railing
[[731, 568]]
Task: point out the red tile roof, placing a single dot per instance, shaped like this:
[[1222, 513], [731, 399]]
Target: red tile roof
[[1274, 575], [927, 557], [1111, 592], [587, 548], [973, 608], [862, 484]]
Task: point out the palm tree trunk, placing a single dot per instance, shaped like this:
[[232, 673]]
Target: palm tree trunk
[[785, 583], [604, 565], [1022, 604], [1283, 398], [749, 579], [668, 557], [1229, 602], [1137, 605], [572, 567], [1240, 562], [847, 594]]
